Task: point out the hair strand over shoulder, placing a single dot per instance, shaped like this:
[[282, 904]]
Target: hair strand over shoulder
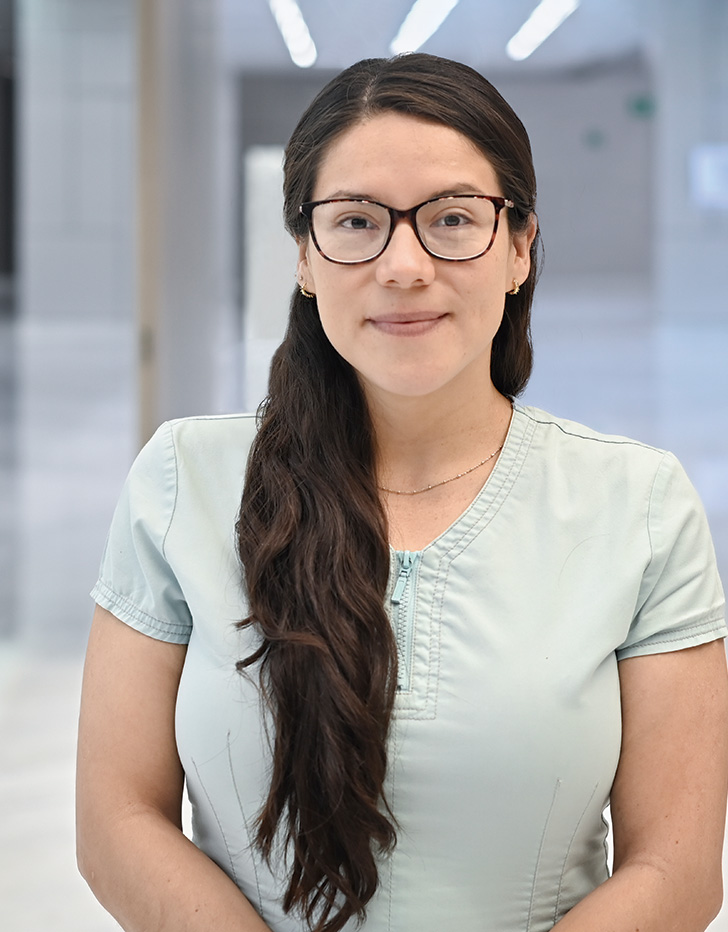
[[312, 533]]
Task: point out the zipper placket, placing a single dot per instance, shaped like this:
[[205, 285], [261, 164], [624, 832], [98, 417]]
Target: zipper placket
[[403, 612]]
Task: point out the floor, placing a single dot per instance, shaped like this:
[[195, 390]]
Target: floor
[[66, 439]]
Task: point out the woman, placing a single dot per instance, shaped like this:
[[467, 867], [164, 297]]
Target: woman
[[465, 626]]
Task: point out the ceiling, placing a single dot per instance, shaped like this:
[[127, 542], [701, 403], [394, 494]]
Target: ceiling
[[476, 32]]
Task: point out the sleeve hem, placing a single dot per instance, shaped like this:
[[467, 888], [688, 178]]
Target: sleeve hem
[[711, 628], [130, 614]]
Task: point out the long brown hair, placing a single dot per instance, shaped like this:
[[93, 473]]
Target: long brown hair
[[312, 534]]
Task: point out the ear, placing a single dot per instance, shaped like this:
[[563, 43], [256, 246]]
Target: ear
[[304, 276], [520, 264]]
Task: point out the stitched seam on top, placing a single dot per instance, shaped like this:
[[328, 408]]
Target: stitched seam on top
[[488, 486], [245, 416], [433, 680], [176, 490], [568, 851], [219, 825], [499, 499], [406, 700], [468, 534], [713, 623], [621, 441], [393, 770], [247, 827], [447, 557], [650, 507], [540, 852], [710, 618], [121, 601]]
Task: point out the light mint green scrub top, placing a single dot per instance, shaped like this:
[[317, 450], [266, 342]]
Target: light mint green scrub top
[[580, 550]]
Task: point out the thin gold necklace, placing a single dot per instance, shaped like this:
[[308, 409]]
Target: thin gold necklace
[[442, 481]]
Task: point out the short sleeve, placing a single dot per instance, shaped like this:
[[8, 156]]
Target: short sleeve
[[136, 582], [681, 601]]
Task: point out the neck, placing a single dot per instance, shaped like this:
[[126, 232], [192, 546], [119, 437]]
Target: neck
[[420, 440]]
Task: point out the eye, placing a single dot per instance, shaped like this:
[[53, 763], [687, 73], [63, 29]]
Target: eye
[[451, 220], [358, 222], [350, 218]]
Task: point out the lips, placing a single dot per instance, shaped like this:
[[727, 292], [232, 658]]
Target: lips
[[408, 323], [406, 317]]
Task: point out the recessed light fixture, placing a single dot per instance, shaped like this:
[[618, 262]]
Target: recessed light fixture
[[290, 21], [422, 21], [547, 17]]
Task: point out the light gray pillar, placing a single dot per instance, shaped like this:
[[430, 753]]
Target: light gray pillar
[[186, 213], [76, 105]]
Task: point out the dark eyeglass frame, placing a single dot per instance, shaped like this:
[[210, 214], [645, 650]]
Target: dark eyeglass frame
[[409, 216]]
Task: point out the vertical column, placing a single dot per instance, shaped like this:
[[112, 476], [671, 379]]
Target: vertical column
[[76, 90], [148, 216], [186, 212], [75, 120]]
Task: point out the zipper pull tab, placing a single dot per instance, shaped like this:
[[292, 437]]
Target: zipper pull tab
[[404, 572]]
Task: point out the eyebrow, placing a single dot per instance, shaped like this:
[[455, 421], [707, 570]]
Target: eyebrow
[[451, 191]]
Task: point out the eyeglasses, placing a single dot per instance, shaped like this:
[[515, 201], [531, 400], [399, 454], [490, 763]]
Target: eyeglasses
[[455, 228]]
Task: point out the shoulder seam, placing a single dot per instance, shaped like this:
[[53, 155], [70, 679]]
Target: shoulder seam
[[650, 503], [243, 416], [176, 489], [603, 438]]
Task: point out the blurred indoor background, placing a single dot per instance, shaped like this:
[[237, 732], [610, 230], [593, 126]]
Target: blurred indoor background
[[144, 275]]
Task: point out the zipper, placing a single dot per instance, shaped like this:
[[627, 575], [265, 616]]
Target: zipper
[[403, 615]]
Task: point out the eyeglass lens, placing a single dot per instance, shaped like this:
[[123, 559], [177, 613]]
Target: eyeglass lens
[[449, 227]]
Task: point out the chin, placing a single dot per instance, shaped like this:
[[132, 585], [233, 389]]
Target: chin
[[415, 388]]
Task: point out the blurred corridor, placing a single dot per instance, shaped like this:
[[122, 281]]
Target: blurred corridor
[[105, 330]]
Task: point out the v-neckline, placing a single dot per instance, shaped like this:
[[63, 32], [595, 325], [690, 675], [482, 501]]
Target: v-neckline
[[492, 492]]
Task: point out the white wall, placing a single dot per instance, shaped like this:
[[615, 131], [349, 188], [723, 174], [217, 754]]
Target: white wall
[[593, 155]]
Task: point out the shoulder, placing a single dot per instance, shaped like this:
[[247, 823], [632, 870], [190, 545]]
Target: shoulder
[[212, 433], [569, 461], [211, 443], [193, 456], [563, 442], [570, 433]]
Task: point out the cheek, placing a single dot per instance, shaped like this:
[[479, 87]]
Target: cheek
[[487, 296], [339, 292], [334, 324], [321, 274]]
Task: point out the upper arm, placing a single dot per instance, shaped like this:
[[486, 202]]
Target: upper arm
[[669, 796], [127, 754]]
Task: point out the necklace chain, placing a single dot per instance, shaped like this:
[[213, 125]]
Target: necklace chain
[[442, 481]]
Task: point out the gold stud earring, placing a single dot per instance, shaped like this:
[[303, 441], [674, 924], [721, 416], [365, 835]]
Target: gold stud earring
[[516, 287], [306, 294]]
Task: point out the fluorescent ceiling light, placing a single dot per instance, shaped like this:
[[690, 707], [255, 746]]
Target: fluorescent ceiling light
[[422, 21], [290, 21], [547, 17]]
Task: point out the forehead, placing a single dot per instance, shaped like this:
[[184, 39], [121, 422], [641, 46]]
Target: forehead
[[396, 155]]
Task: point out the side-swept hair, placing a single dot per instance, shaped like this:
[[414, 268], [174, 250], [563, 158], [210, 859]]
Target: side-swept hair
[[312, 533]]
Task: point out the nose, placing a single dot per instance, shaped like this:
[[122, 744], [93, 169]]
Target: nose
[[404, 263]]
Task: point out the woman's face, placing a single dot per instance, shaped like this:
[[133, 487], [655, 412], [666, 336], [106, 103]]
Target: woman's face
[[408, 323]]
